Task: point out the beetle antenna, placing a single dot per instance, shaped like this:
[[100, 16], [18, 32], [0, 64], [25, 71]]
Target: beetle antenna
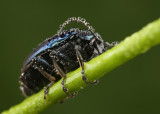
[[74, 19]]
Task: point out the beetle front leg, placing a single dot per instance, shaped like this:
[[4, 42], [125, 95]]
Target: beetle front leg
[[110, 45], [81, 63]]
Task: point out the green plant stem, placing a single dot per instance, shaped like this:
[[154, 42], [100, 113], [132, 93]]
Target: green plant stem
[[133, 45]]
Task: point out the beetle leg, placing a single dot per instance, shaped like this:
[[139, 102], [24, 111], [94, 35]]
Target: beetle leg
[[110, 45], [47, 89], [74, 94], [62, 74], [45, 74], [49, 77], [98, 48], [81, 63]]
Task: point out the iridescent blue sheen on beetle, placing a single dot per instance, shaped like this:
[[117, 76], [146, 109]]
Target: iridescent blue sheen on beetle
[[60, 54], [55, 41]]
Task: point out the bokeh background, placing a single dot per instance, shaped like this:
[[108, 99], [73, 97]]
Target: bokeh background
[[133, 88]]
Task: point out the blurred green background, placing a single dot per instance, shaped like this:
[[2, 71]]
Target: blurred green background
[[133, 88]]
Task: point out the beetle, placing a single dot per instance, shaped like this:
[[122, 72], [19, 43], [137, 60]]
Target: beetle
[[60, 54]]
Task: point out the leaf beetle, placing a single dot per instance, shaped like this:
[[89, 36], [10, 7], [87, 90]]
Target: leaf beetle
[[60, 54]]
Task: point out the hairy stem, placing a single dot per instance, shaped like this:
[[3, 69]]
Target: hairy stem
[[133, 45]]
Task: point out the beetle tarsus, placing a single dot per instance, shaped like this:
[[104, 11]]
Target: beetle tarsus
[[47, 89], [63, 86], [81, 63]]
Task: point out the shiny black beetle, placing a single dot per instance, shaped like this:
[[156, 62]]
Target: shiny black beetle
[[60, 54]]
